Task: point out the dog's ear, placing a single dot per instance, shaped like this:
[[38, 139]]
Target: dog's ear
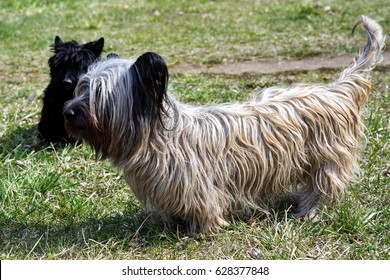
[[96, 47], [150, 81], [152, 72], [57, 45], [112, 55], [58, 41]]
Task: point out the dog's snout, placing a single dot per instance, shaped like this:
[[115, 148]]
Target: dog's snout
[[69, 114], [67, 82]]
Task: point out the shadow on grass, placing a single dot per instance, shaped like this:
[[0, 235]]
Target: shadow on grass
[[22, 141], [131, 230], [49, 239], [19, 142]]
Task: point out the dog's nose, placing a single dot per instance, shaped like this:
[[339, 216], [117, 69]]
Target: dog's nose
[[67, 82], [69, 114]]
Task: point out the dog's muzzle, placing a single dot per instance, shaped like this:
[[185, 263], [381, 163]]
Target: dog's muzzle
[[68, 83], [74, 119], [69, 114]]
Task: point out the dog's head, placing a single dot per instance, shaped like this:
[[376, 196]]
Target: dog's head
[[119, 103], [72, 59]]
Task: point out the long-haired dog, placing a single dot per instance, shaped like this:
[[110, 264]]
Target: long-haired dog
[[69, 62], [200, 164]]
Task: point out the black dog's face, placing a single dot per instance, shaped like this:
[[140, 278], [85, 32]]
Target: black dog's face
[[72, 59], [67, 71], [69, 62]]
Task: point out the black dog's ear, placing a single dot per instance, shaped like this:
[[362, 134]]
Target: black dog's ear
[[150, 81], [57, 44], [112, 55], [58, 41], [96, 47]]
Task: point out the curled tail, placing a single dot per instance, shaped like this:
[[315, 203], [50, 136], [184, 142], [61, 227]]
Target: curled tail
[[355, 77], [371, 54]]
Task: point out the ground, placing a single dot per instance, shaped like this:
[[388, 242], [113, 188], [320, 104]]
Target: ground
[[275, 66]]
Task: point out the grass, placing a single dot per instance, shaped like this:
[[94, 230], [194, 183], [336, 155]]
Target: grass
[[57, 202]]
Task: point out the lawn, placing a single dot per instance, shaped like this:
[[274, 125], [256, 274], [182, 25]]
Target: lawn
[[58, 202]]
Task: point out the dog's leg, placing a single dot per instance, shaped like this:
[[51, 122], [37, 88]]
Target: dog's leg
[[307, 201], [325, 185], [205, 217]]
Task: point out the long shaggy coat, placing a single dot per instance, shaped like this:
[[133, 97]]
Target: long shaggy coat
[[198, 164]]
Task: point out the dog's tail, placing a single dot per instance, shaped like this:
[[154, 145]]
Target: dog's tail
[[354, 79]]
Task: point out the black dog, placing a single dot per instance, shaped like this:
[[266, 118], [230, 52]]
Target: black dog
[[70, 60]]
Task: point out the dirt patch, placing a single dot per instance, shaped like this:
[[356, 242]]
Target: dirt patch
[[269, 67]]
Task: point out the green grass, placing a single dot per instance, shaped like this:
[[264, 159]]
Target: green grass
[[59, 203]]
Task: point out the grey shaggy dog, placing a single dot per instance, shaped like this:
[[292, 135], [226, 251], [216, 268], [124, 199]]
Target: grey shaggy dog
[[200, 164]]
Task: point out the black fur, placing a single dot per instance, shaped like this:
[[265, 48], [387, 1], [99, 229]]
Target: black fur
[[150, 82], [70, 60]]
